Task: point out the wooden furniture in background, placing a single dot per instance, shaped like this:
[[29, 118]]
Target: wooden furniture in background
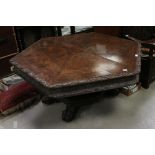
[[110, 30], [148, 63], [8, 48], [27, 35]]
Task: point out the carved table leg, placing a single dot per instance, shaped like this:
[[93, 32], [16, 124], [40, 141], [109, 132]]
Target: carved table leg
[[70, 112], [73, 104]]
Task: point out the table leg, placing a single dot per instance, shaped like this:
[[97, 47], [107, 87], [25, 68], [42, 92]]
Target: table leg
[[70, 112], [73, 104]]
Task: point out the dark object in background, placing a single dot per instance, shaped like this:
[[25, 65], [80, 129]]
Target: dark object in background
[[109, 30], [145, 37], [8, 48], [146, 34], [139, 32], [148, 63], [27, 35]]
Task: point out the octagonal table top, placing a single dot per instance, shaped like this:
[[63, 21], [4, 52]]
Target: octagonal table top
[[69, 60]]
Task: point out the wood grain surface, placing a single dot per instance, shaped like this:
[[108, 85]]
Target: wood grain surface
[[80, 58]]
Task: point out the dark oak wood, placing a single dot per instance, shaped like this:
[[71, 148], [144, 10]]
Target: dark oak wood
[[8, 44], [110, 30], [79, 64], [72, 29], [82, 58], [69, 66], [8, 48], [148, 63]]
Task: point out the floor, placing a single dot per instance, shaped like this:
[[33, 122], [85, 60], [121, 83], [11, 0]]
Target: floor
[[136, 111]]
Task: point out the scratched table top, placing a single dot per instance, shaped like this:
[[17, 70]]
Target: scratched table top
[[70, 60]]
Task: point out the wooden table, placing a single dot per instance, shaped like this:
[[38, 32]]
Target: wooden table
[[63, 67]]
